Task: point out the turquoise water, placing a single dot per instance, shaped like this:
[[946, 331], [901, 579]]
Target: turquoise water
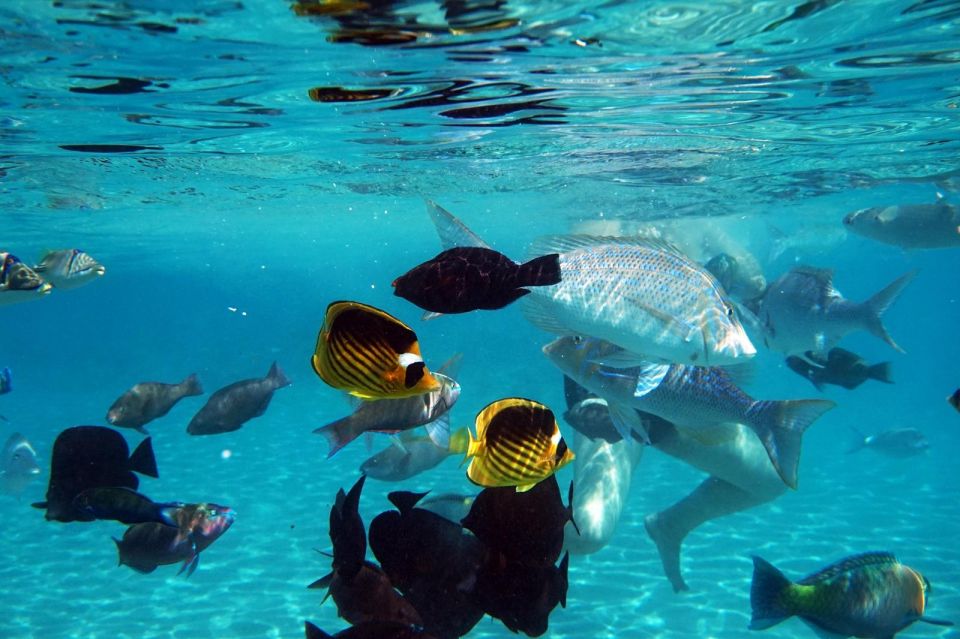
[[230, 208]]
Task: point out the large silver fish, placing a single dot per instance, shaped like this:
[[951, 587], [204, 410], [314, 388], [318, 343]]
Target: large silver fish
[[69, 268], [18, 465], [802, 311], [909, 226], [19, 282], [697, 399], [641, 294], [394, 415]]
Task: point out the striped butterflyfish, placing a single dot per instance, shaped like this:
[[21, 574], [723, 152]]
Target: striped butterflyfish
[[518, 444], [370, 354]]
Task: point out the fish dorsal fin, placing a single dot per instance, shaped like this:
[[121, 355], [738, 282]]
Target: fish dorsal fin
[[878, 558], [451, 367], [452, 231], [568, 243], [405, 500], [823, 276]]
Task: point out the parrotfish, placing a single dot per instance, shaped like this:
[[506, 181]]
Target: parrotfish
[[232, 406], [900, 443], [147, 401], [872, 596], [839, 367], [69, 268], [412, 455]]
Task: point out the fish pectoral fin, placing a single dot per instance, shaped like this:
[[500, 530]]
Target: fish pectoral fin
[[522, 488], [439, 431], [649, 378], [429, 315], [398, 442], [626, 421], [538, 312]]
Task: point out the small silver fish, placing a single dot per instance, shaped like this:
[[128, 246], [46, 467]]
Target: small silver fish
[[412, 455], [19, 282], [18, 465], [911, 226], [802, 311], [69, 268]]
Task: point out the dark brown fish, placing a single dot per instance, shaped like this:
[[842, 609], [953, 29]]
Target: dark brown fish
[[520, 595], [840, 367], [467, 278], [147, 401], [232, 406], [368, 596]]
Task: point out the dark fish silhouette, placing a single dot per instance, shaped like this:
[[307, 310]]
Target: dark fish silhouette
[[371, 630], [900, 443], [18, 465], [840, 367], [520, 595], [124, 505], [86, 457], [6, 381], [431, 561], [525, 527], [147, 401], [954, 400], [146, 546], [467, 278], [451, 506], [232, 406]]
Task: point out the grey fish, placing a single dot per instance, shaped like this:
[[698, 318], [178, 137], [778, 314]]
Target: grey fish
[[641, 294], [147, 401], [696, 399], [452, 507], [231, 406], [900, 443], [910, 226], [18, 465], [19, 282], [802, 311], [394, 415], [738, 277], [412, 455], [69, 268]]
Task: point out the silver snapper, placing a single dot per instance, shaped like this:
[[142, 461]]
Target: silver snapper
[[908, 226], [18, 465], [69, 268], [802, 311], [394, 415], [412, 455], [697, 399], [641, 295], [19, 282]]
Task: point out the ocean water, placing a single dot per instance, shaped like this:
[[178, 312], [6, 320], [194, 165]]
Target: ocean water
[[185, 146]]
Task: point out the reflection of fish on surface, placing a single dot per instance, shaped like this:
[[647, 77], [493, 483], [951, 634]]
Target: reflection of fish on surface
[[870, 595], [412, 455], [910, 226], [148, 545], [87, 457], [398, 415], [19, 282], [840, 367], [147, 401], [518, 444], [900, 443], [232, 406], [370, 354], [802, 311], [68, 268], [641, 294], [699, 400], [18, 465]]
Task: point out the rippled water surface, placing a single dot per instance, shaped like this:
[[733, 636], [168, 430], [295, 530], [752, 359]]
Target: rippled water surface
[[239, 165]]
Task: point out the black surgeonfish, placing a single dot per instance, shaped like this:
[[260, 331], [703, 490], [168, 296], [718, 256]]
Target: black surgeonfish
[[840, 367], [468, 278], [520, 595], [371, 630], [431, 561], [232, 406], [86, 457], [525, 527], [347, 533]]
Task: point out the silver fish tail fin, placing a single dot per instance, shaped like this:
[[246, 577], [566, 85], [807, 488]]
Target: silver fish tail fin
[[876, 306], [338, 434], [191, 385], [278, 376], [780, 426], [766, 595], [452, 231], [540, 271], [859, 441], [880, 372]]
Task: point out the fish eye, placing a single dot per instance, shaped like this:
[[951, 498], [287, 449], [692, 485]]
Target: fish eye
[[577, 339], [730, 311]]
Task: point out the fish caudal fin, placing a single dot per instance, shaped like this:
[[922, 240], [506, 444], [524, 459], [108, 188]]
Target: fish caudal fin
[[338, 434], [439, 431], [459, 441], [876, 306], [780, 426], [192, 385], [143, 461], [766, 595], [880, 372], [540, 271], [277, 375]]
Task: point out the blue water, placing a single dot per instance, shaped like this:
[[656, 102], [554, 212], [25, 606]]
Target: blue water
[[230, 208]]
